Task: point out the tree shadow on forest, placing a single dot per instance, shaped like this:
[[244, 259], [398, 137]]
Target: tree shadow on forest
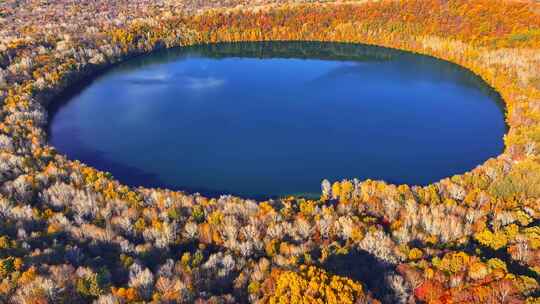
[[362, 266], [97, 255]]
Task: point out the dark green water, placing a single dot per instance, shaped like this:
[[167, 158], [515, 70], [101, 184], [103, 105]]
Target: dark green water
[[272, 119]]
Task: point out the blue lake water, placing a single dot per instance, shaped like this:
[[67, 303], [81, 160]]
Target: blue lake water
[[274, 119]]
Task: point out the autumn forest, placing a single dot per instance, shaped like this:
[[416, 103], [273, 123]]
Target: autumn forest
[[70, 233]]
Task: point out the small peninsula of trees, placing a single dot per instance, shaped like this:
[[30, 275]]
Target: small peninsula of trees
[[72, 234]]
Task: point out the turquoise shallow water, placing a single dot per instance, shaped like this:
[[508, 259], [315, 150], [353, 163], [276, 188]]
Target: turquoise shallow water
[[273, 119]]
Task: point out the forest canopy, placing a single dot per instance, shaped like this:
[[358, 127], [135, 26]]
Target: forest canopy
[[72, 234]]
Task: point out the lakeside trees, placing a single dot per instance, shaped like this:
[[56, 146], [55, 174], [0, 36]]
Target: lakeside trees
[[69, 233]]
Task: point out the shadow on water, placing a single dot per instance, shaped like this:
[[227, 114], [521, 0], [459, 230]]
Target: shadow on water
[[334, 51], [298, 50], [128, 175]]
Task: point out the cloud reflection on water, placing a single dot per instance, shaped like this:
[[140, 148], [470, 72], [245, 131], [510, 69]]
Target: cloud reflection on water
[[186, 81]]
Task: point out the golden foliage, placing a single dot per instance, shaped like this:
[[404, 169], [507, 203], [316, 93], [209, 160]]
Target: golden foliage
[[314, 285]]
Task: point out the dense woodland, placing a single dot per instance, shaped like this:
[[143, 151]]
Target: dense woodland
[[72, 234]]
